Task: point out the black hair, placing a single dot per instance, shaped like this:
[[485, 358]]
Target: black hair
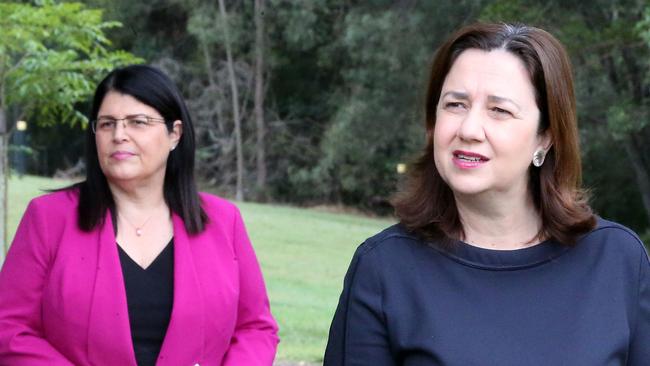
[[153, 88]]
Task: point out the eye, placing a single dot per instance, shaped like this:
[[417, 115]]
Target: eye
[[105, 124], [138, 121], [501, 111], [455, 106]]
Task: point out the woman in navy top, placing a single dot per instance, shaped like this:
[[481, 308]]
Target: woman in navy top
[[498, 258]]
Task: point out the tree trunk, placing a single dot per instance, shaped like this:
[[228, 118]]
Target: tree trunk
[[208, 63], [641, 171], [3, 185], [239, 192], [260, 148]]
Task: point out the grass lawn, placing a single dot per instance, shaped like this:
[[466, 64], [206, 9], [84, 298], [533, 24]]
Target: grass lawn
[[304, 255]]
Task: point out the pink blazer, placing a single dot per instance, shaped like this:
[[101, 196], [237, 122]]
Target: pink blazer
[[63, 302]]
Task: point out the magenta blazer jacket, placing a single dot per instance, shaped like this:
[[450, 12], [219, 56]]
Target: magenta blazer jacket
[[63, 302]]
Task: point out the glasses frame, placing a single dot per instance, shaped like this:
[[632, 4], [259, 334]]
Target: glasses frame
[[125, 119]]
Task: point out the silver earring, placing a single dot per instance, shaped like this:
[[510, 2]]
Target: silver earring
[[173, 147], [538, 158]]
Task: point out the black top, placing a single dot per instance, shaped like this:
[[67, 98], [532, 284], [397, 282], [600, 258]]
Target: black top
[[406, 302], [149, 296]]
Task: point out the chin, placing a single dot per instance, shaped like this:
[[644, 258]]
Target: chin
[[468, 191], [120, 176], [465, 186]]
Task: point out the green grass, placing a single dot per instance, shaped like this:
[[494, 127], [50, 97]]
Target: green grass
[[304, 255]]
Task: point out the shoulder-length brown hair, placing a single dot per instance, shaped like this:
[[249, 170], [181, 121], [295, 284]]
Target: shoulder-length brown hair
[[426, 204]]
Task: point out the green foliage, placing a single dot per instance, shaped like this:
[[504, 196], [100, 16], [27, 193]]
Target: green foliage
[[301, 19], [345, 85], [643, 27], [378, 121], [51, 56], [608, 42], [513, 11], [621, 119], [206, 25]]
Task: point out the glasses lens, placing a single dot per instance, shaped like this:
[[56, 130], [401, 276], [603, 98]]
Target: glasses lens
[[138, 122], [105, 124]]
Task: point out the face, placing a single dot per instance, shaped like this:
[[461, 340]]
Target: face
[[128, 154], [487, 120]]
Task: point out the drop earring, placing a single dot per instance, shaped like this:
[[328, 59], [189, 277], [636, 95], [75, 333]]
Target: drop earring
[[538, 158]]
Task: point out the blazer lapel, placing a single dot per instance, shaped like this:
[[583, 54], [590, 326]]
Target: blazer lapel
[[109, 333], [184, 339]]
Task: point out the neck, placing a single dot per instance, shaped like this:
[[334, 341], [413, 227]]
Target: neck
[[138, 201], [499, 222]]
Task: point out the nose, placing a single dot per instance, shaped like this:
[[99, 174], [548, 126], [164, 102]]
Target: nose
[[471, 127], [119, 133]]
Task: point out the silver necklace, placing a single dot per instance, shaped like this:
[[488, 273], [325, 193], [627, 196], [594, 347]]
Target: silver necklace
[[138, 229]]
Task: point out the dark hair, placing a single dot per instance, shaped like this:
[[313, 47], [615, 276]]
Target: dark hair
[[153, 88], [426, 205]]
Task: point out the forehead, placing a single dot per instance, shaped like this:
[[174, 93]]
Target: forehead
[[117, 104], [497, 72]]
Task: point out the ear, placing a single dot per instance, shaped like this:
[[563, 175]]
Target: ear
[[176, 133], [545, 141]]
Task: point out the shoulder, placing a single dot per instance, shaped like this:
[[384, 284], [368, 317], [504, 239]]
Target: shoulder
[[48, 216], [612, 233], [55, 206], [615, 239], [216, 207], [393, 242], [64, 199], [221, 212]]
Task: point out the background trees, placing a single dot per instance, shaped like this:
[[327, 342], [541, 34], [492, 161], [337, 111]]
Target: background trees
[[51, 55], [609, 45], [329, 93]]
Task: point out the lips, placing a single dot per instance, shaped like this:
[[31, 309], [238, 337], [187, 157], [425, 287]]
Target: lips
[[468, 159], [469, 156], [122, 155]]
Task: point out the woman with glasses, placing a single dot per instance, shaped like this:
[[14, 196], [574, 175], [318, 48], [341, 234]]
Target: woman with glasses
[[498, 258], [133, 266]]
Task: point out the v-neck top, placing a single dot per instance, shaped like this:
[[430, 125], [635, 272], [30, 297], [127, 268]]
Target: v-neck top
[[149, 296]]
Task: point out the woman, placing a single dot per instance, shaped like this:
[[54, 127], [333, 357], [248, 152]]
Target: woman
[[132, 265], [497, 259]]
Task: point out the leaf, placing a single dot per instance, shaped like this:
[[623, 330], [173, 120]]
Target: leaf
[[54, 54]]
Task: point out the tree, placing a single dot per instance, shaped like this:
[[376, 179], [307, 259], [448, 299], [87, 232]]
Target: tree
[[379, 120], [51, 55], [609, 46], [239, 193], [219, 89], [260, 148]]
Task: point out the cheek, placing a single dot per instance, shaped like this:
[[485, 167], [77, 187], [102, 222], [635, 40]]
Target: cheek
[[101, 146], [156, 150], [515, 145], [443, 134]]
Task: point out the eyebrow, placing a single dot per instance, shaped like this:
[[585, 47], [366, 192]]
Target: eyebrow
[[491, 98], [456, 95], [127, 116], [497, 99]]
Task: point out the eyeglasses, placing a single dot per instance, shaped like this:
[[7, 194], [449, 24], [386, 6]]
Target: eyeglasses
[[132, 123]]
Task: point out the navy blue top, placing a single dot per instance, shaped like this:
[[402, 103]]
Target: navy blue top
[[405, 302]]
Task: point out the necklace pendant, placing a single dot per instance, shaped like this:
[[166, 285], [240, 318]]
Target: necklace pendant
[[138, 231]]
